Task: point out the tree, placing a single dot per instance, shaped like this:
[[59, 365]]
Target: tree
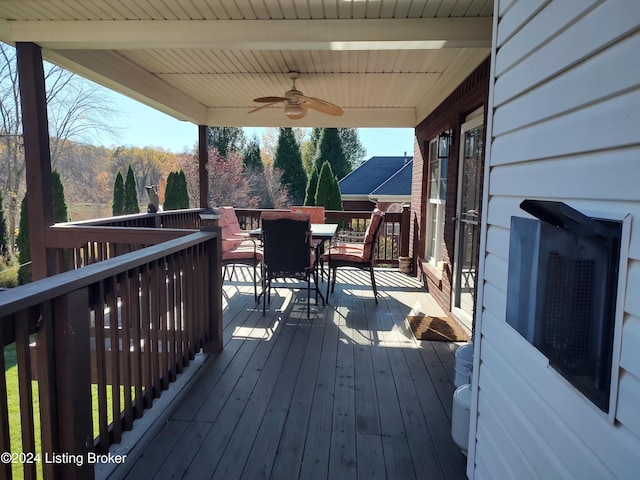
[[266, 186], [330, 150], [118, 195], [130, 193], [77, 110], [309, 149], [227, 139], [4, 238], [312, 186], [289, 160], [354, 151], [251, 157], [325, 186], [183, 194], [335, 199], [24, 249], [175, 193], [170, 198], [228, 184], [60, 209]]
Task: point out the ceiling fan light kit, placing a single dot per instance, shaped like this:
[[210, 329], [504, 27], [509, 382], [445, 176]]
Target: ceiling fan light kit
[[293, 110], [296, 103]]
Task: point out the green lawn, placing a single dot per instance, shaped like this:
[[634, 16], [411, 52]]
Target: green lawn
[[13, 398]]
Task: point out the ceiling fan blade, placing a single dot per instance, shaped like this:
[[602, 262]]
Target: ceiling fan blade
[[269, 99], [322, 106], [265, 106]]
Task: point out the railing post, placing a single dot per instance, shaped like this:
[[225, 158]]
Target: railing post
[[209, 219], [73, 383], [404, 261], [404, 230]]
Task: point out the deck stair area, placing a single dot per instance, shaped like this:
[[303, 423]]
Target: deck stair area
[[346, 393]]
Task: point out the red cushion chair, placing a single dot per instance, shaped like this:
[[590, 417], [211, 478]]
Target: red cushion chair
[[316, 214], [355, 254], [238, 247]]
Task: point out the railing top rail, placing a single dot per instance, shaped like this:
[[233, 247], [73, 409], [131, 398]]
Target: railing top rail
[[64, 235], [134, 216], [32, 294]]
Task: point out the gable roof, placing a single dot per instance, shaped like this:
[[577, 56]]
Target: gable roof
[[374, 173], [399, 183]]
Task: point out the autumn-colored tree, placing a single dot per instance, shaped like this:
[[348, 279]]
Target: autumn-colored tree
[[130, 193], [312, 186], [289, 160], [228, 185], [118, 195]]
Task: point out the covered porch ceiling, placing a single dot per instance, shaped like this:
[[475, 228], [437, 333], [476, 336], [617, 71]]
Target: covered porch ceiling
[[387, 63]]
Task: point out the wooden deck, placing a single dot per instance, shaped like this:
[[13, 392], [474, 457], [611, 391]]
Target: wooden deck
[[346, 393]]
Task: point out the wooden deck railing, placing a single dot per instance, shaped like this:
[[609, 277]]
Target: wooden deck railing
[[102, 342], [393, 240], [78, 244]]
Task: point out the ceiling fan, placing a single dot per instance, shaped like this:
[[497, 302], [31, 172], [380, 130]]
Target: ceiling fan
[[296, 103]]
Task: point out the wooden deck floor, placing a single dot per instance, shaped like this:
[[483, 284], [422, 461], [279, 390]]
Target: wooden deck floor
[[347, 393]]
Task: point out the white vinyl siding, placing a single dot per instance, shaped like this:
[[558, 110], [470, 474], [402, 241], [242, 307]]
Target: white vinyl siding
[[564, 125]]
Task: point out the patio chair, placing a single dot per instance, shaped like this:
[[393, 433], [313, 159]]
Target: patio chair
[[355, 254], [238, 247], [286, 239], [316, 214]]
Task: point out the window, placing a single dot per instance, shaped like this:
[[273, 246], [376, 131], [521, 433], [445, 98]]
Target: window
[[435, 205]]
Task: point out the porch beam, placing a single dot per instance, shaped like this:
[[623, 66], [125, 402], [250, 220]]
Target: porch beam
[[37, 156], [316, 34]]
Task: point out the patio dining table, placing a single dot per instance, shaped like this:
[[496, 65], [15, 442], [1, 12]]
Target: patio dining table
[[320, 232]]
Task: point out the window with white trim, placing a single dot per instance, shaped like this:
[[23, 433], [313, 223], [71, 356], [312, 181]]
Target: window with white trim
[[435, 205]]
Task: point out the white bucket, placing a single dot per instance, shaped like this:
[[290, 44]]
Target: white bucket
[[464, 364], [460, 417]]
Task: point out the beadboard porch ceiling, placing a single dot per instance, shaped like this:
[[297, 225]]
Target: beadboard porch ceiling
[[387, 63]]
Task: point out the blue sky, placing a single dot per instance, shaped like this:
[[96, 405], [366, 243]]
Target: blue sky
[[142, 126]]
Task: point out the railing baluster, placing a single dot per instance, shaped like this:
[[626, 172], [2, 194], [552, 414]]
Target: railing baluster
[[125, 359], [171, 317], [136, 341], [164, 355], [112, 295], [101, 368], [155, 323], [145, 325], [26, 392], [5, 442], [177, 268]]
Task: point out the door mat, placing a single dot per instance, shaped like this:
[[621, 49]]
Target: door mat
[[441, 329]]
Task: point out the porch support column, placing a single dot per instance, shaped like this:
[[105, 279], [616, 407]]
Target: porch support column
[[37, 156], [203, 159]]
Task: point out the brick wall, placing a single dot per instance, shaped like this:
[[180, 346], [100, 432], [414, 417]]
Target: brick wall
[[449, 115]]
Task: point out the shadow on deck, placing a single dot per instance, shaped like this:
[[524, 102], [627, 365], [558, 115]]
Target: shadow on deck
[[346, 393]]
